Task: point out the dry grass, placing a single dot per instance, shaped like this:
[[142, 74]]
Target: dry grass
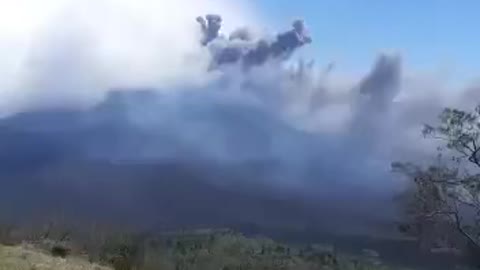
[[28, 258]]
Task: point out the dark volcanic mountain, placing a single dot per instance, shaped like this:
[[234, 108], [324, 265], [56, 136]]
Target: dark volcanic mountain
[[146, 159]]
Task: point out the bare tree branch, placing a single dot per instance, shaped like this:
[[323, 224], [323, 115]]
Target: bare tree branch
[[449, 192]]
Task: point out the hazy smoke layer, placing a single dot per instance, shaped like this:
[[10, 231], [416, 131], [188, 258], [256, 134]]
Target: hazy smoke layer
[[108, 88]]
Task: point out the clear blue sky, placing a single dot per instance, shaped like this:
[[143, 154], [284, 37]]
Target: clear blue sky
[[429, 33]]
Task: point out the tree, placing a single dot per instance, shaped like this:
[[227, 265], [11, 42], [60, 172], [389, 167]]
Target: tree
[[443, 204]]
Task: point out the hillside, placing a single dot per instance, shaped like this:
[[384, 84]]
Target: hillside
[[140, 156], [28, 258], [190, 250]]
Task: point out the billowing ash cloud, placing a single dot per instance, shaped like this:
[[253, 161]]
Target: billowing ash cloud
[[241, 46], [382, 84], [210, 26], [171, 141]]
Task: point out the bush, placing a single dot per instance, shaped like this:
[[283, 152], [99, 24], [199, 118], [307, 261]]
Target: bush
[[60, 251], [122, 251], [6, 235]]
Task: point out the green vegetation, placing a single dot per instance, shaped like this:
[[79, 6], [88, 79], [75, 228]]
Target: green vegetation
[[192, 250]]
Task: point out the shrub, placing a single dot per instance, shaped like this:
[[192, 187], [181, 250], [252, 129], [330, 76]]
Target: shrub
[[60, 251]]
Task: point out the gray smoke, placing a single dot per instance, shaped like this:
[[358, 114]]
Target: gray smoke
[[241, 46], [383, 83], [210, 26]]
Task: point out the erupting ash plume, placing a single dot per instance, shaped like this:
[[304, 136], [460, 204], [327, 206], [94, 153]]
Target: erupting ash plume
[[210, 27], [382, 85], [240, 46]]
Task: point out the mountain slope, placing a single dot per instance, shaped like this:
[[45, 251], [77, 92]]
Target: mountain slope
[[153, 160]]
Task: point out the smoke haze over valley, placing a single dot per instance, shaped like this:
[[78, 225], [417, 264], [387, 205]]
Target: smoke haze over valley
[[114, 111]]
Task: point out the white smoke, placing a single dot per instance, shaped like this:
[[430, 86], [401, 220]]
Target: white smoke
[[69, 52]]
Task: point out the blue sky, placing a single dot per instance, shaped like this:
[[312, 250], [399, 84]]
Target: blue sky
[[430, 34]]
